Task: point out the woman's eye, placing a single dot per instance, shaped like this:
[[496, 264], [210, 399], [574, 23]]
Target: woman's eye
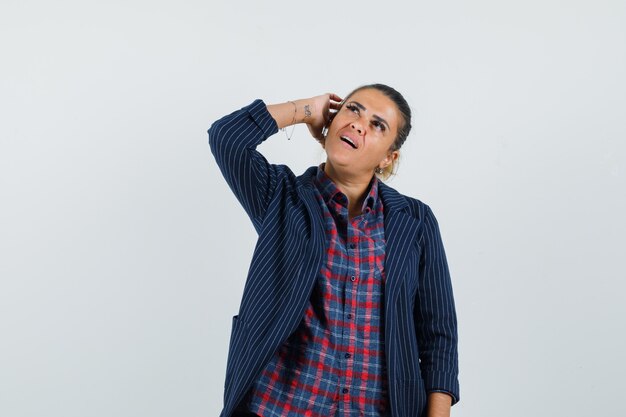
[[378, 125], [353, 108]]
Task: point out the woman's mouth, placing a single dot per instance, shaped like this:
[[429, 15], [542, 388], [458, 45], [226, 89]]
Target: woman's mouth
[[348, 141]]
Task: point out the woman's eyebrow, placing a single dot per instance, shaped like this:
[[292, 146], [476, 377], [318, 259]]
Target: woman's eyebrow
[[359, 105]]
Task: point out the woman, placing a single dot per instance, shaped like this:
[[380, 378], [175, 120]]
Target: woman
[[348, 306]]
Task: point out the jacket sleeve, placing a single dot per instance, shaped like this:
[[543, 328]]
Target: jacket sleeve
[[436, 323], [233, 140]]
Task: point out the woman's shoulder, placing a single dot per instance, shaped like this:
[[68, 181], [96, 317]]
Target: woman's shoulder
[[418, 208], [394, 199]]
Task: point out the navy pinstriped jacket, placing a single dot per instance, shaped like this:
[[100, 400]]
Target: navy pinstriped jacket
[[420, 317]]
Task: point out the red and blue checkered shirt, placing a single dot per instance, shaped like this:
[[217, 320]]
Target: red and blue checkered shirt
[[334, 363]]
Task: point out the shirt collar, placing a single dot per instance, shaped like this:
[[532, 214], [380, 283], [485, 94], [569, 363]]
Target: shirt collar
[[329, 190]]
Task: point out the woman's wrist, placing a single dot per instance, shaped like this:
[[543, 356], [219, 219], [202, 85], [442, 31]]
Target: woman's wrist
[[439, 404], [304, 110], [314, 112], [292, 112]]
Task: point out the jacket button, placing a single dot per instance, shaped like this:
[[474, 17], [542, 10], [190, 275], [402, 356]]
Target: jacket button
[[352, 278], [345, 390], [347, 355]]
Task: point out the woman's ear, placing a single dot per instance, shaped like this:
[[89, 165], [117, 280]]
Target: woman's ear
[[390, 159]]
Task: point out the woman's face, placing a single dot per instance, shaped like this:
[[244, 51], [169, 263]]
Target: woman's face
[[361, 133]]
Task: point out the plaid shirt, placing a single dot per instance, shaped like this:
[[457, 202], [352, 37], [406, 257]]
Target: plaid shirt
[[334, 363]]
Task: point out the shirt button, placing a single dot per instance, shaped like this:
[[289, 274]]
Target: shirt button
[[352, 278], [347, 355], [345, 390], [352, 245], [349, 315]]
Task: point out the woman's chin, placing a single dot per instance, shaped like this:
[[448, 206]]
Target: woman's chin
[[340, 157], [339, 162], [344, 167]]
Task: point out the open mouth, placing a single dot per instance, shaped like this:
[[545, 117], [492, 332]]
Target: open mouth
[[348, 141]]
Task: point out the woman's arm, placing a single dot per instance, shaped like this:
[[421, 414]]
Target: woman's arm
[[314, 111], [234, 138]]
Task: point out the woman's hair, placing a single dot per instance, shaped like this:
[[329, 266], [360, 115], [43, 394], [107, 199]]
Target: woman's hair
[[405, 124]]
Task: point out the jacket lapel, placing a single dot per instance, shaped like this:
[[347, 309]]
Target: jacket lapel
[[400, 235], [314, 255], [304, 188]]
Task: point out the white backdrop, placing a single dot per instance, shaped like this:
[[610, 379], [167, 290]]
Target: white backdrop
[[123, 253]]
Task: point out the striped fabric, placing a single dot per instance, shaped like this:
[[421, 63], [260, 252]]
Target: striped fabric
[[334, 364], [420, 327]]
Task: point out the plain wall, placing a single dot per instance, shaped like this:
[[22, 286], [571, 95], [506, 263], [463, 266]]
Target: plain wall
[[123, 253]]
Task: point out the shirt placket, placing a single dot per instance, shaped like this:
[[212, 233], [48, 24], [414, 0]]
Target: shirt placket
[[350, 314]]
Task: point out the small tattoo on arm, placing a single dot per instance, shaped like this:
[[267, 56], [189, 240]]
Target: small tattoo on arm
[[307, 111]]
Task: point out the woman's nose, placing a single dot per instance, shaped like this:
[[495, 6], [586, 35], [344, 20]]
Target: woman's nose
[[357, 126]]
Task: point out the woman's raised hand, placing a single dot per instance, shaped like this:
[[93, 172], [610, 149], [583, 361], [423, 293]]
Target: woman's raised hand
[[320, 113]]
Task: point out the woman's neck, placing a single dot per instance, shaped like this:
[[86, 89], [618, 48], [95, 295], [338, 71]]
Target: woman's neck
[[353, 186]]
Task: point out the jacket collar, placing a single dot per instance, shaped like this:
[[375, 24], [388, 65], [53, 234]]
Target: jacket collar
[[392, 199]]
